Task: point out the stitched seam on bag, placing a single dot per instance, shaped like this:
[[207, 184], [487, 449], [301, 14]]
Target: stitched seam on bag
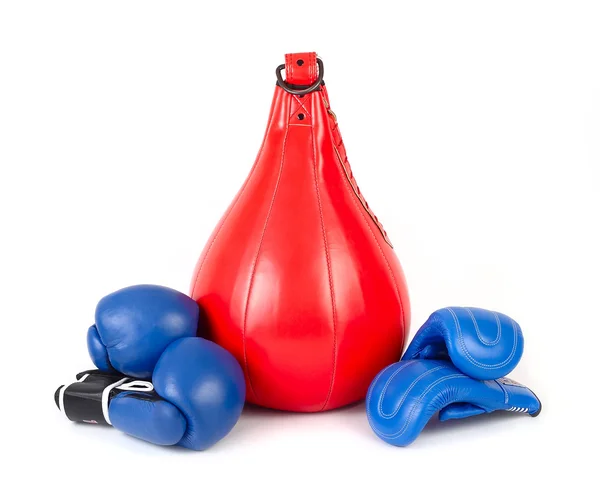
[[361, 210], [384, 258], [478, 332], [354, 185], [289, 68], [473, 361], [301, 106], [329, 272], [339, 144], [411, 414], [229, 211], [287, 128]]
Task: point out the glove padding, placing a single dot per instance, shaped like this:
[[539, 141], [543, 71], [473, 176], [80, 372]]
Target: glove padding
[[405, 395], [134, 325], [483, 344], [196, 397]]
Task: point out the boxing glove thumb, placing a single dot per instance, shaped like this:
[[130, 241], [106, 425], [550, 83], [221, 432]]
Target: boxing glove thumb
[[482, 344]]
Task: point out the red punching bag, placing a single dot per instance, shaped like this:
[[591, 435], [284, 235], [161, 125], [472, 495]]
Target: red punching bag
[[299, 280]]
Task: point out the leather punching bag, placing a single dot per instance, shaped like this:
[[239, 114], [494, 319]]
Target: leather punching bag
[[299, 280]]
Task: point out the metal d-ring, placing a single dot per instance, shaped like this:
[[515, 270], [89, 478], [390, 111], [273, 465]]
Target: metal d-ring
[[300, 90]]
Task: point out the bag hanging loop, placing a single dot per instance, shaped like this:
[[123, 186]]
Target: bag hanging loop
[[300, 91]]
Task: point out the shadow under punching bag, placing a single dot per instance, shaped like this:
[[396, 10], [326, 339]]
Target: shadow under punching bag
[[299, 280]]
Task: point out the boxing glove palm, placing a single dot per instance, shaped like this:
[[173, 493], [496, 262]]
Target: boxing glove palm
[[405, 395], [196, 397]]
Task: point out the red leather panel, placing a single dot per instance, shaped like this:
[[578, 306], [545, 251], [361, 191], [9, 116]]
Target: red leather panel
[[301, 69], [298, 279]]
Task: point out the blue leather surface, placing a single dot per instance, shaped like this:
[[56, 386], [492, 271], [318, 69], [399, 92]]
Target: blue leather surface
[[199, 396], [97, 350], [481, 343], [134, 325], [405, 395], [207, 384], [147, 417]]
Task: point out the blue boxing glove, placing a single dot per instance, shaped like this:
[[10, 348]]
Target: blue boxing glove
[[134, 325], [483, 344], [405, 395], [195, 398]]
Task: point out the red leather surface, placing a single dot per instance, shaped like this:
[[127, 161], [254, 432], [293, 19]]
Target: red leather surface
[[297, 279], [301, 69]]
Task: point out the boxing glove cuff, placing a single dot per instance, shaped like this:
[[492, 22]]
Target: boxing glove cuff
[[87, 400]]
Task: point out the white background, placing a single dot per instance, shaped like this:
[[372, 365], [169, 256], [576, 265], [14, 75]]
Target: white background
[[473, 128]]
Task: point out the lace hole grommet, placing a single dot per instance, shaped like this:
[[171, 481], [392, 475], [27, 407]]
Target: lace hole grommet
[[300, 116]]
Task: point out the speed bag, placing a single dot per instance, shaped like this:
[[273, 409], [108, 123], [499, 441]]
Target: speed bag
[[299, 280]]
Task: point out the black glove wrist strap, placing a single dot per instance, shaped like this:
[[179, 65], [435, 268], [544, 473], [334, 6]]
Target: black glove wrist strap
[[87, 399]]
